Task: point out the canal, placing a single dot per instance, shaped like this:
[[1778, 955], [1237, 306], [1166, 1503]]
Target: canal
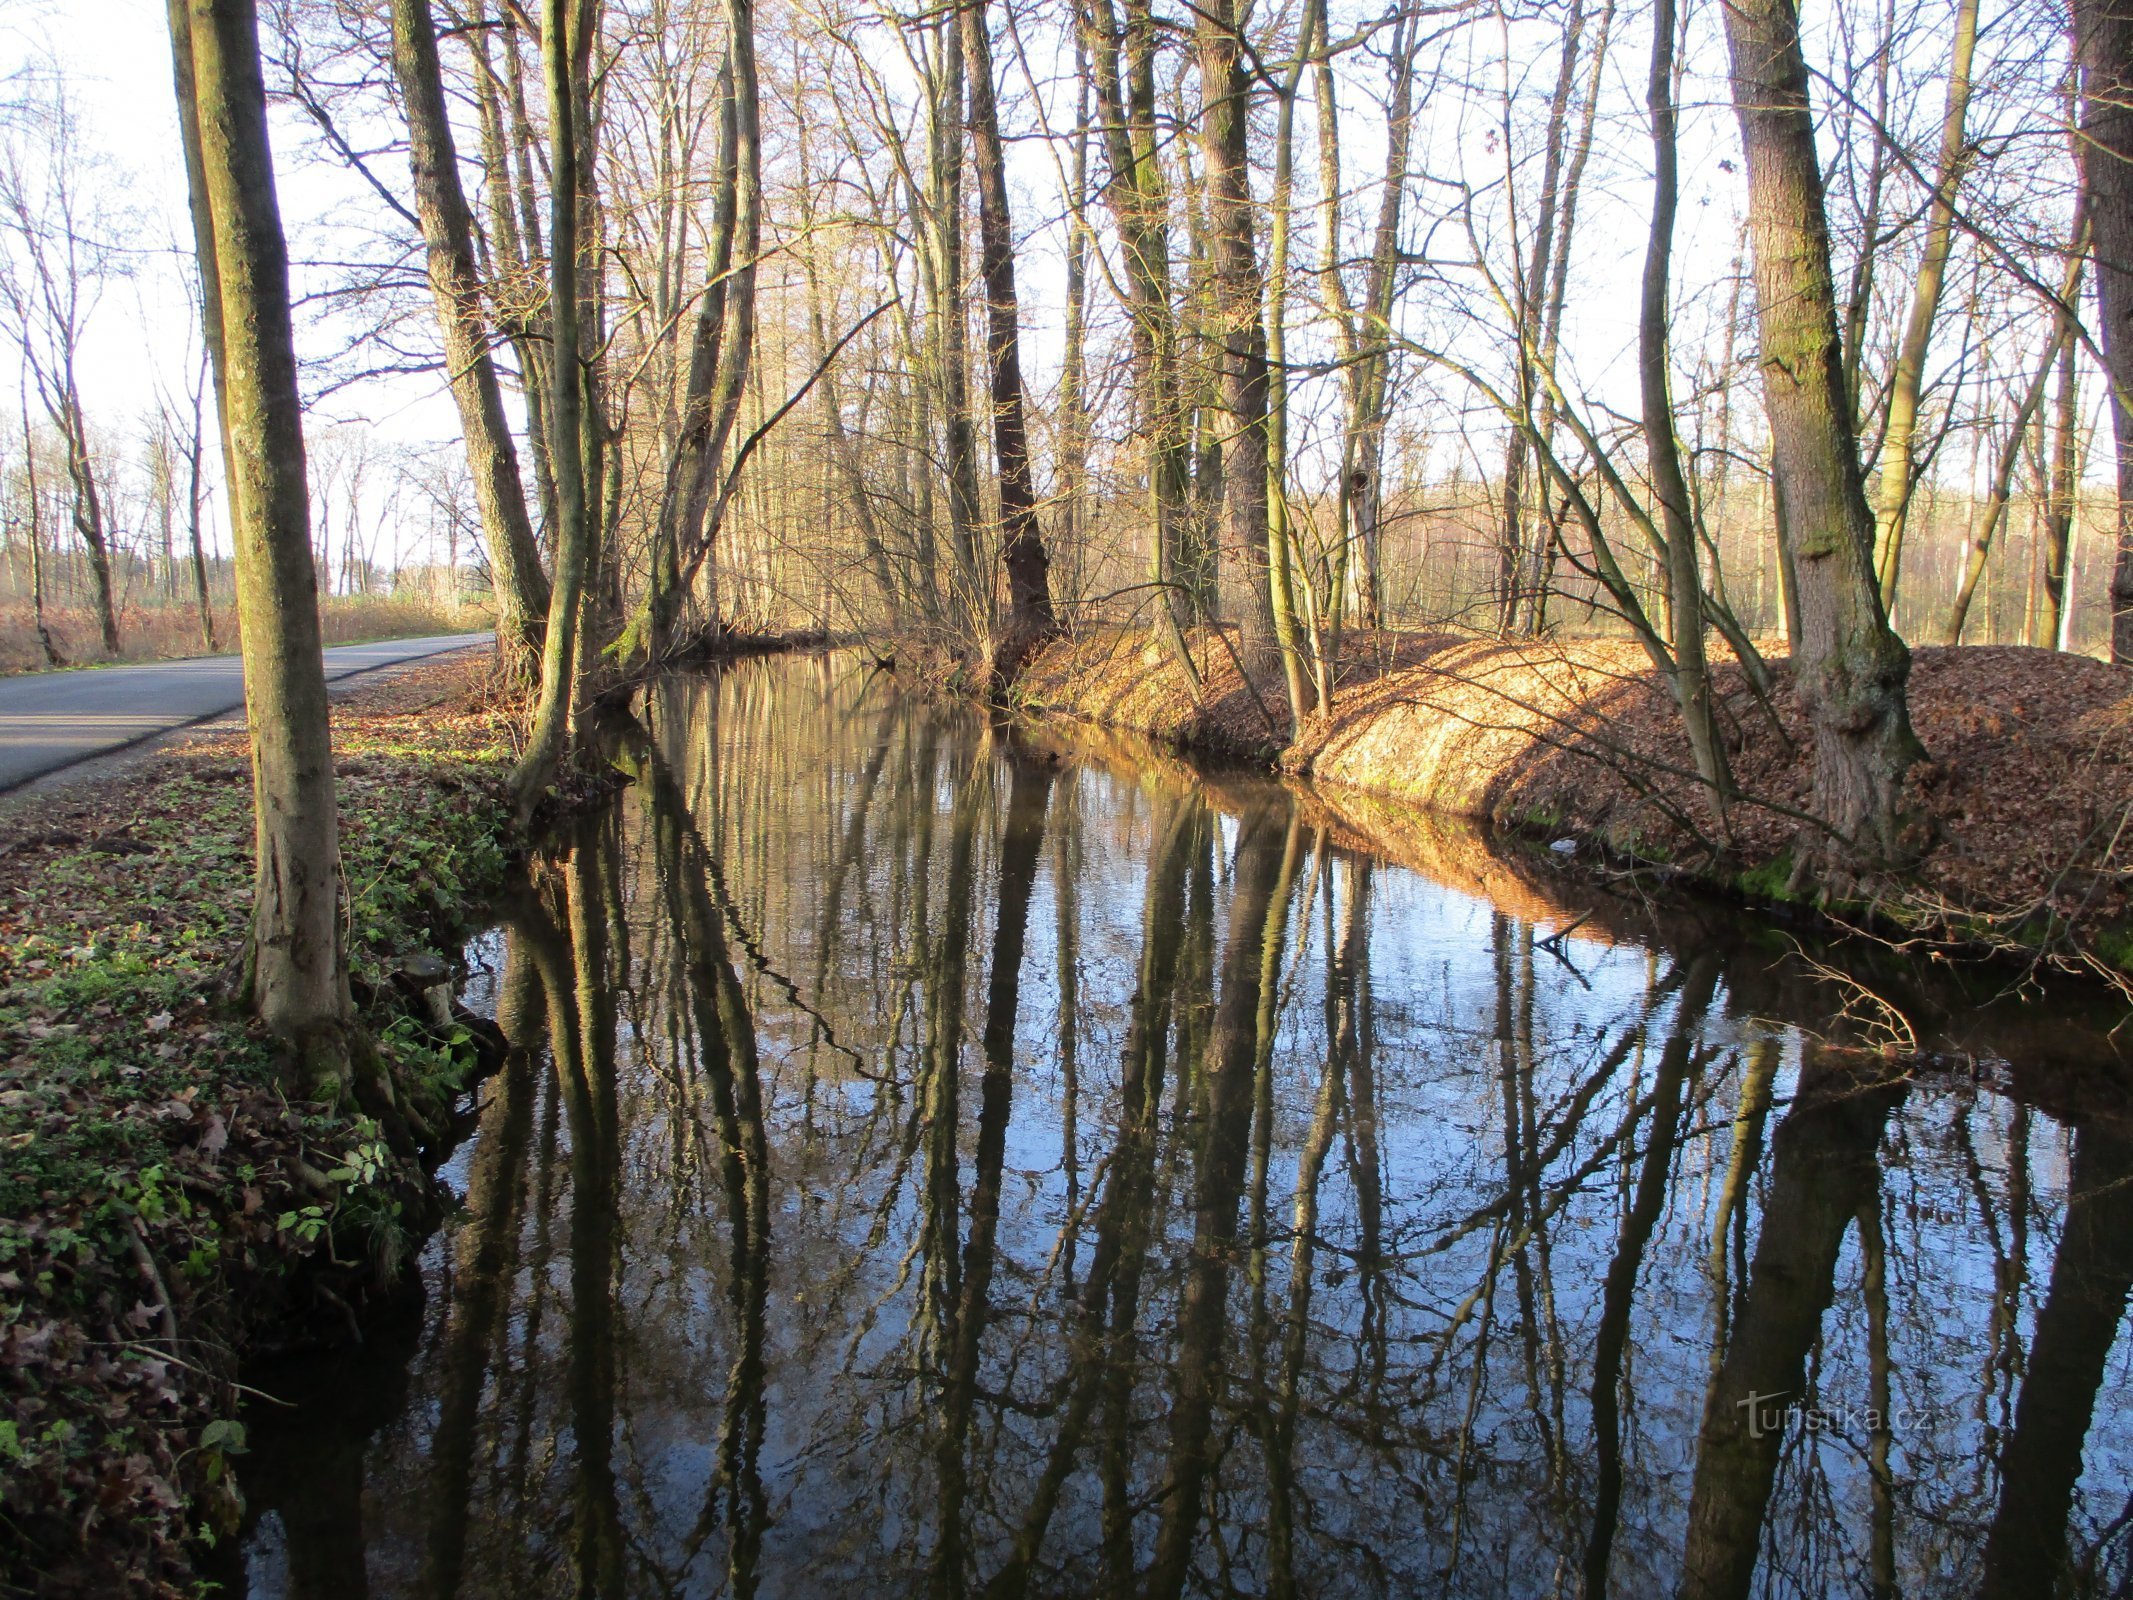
[[942, 1158]]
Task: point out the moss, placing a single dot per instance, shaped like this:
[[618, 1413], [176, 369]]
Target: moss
[[1769, 880], [2115, 944]]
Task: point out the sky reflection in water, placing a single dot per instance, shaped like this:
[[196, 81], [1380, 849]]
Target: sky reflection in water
[[934, 1165]]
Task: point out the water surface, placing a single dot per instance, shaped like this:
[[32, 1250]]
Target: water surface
[[934, 1161]]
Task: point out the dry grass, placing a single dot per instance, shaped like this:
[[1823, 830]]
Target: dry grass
[[169, 633]]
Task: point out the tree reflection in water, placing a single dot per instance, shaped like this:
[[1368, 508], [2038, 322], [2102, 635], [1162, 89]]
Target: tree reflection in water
[[927, 1162]]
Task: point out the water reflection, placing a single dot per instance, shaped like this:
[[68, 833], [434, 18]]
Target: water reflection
[[927, 1162]]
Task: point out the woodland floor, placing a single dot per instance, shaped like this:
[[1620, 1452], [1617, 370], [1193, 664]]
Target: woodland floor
[[2027, 797], [156, 1187]]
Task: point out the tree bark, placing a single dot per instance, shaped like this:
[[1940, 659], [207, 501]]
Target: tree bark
[[1234, 287], [2103, 51], [1677, 528], [447, 232], [1850, 669], [1029, 594], [1898, 470], [299, 974], [1281, 583], [563, 54], [1135, 193]]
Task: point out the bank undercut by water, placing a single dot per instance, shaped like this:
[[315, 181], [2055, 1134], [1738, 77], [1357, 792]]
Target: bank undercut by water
[[2025, 796]]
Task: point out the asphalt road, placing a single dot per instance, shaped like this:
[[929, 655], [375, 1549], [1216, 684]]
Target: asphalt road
[[50, 720]]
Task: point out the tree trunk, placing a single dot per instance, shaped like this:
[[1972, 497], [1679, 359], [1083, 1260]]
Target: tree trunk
[[2103, 50], [2060, 504], [1073, 378], [1898, 469], [88, 503], [950, 324], [562, 55], [447, 232], [299, 974], [52, 657], [195, 448], [1139, 206], [1532, 284], [1234, 287], [1850, 669], [1684, 569], [1281, 585], [1029, 595]]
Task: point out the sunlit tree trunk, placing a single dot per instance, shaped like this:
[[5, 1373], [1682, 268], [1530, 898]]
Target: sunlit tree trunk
[[1898, 468], [1850, 668], [1135, 192], [2103, 50], [298, 970], [1022, 553], [447, 230], [565, 54], [1281, 584], [1533, 282], [1073, 371], [1676, 521], [1234, 289]]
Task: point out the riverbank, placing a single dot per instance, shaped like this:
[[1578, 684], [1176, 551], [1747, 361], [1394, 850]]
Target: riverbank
[[2027, 793], [162, 1205]]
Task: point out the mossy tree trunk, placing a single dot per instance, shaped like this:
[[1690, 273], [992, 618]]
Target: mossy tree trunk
[[1122, 63], [1851, 669], [565, 55], [299, 975], [2103, 51]]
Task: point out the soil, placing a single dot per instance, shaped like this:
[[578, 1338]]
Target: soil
[[2027, 795], [163, 1202]]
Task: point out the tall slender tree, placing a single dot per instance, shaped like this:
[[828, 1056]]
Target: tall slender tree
[[1850, 668], [298, 980], [1022, 553], [566, 55], [2103, 53], [455, 284]]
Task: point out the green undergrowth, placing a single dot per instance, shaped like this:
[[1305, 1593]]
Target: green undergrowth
[[158, 1190]]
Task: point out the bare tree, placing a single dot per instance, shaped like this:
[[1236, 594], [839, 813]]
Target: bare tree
[[447, 228], [298, 978], [53, 272], [1851, 669]]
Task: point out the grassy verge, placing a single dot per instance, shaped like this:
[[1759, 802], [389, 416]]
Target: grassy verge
[[161, 1202]]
